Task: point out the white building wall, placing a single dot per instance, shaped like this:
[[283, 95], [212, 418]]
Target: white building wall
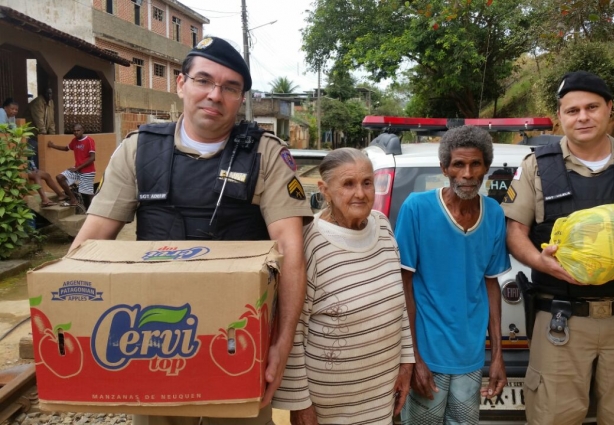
[[70, 16], [267, 120]]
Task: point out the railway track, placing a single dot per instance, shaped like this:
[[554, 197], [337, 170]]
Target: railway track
[[18, 391]]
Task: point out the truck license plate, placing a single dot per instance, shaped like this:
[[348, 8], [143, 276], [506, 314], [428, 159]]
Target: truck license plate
[[511, 398]]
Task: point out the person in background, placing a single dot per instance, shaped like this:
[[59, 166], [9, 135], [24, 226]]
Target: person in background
[[553, 182], [37, 177], [354, 327], [40, 114], [8, 112], [84, 171], [262, 198], [452, 245]]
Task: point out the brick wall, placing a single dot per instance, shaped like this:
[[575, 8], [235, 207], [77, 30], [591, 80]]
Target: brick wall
[[160, 83], [124, 9], [130, 122], [159, 27], [174, 72], [123, 74], [186, 24]]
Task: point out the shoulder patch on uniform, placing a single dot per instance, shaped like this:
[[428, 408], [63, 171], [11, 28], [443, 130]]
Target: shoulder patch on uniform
[[295, 189], [510, 196], [287, 157], [518, 173]]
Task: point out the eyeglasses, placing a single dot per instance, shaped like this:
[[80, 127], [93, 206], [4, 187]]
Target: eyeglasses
[[208, 86]]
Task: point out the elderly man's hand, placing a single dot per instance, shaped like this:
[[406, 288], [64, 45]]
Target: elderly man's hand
[[401, 386], [551, 266], [422, 380], [497, 378], [304, 417], [49, 144]]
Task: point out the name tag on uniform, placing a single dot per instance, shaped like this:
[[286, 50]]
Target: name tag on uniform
[[152, 196], [234, 176]]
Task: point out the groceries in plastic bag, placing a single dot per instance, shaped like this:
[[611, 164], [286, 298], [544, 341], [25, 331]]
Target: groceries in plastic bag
[[585, 242]]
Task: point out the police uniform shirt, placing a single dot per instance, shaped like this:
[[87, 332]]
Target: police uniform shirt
[[278, 191], [524, 201]]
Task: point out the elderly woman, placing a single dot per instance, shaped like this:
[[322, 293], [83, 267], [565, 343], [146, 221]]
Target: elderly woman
[[352, 357]]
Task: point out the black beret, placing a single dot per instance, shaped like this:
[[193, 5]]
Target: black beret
[[222, 52], [583, 81]]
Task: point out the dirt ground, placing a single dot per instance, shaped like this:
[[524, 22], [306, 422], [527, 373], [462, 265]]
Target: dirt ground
[[14, 306]]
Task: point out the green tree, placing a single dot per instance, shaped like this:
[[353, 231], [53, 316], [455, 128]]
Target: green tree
[[459, 52], [335, 115], [345, 117], [14, 187], [341, 85], [354, 132], [567, 20], [283, 85], [595, 57]]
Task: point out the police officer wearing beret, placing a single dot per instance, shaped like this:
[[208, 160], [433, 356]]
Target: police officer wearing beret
[[574, 325], [205, 178]]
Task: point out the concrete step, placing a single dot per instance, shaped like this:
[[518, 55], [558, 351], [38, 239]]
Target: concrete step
[[72, 224], [52, 214], [63, 217]]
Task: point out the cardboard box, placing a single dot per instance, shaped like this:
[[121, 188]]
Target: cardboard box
[[143, 327]]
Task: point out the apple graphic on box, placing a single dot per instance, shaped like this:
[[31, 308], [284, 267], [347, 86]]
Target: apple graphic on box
[[61, 352], [40, 323], [258, 324], [243, 358]]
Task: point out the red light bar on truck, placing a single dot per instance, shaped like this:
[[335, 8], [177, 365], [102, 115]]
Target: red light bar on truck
[[511, 124], [405, 124], [443, 124]]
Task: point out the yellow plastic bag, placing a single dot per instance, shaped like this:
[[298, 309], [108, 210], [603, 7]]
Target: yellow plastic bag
[[585, 242]]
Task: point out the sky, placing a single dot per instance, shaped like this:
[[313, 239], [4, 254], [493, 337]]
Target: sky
[[276, 48]]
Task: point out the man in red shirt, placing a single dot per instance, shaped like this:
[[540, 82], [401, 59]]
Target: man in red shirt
[[84, 170]]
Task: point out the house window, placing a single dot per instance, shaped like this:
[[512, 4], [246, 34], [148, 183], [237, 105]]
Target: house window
[[176, 73], [159, 70], [138, 65], [158, 14], [137, 13], [109, 6], [194, 32], [176, 28]]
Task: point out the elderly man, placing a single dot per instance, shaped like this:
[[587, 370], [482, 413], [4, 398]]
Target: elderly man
[[553, 182], [40, 114], [451, 306], [262, 200]]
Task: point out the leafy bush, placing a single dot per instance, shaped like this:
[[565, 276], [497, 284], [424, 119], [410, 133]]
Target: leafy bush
[[14, 187], [576, 56]]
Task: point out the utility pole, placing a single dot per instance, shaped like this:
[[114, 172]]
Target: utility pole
[[248, 95], [319, 113]]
